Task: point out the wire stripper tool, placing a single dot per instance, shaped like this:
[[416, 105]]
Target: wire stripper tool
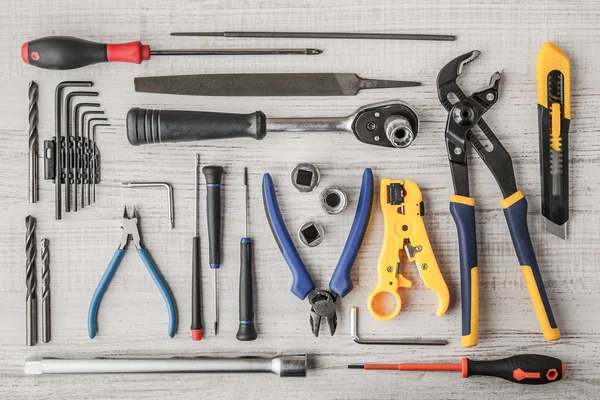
[[463, 116], [322, 301], [554, 116], [403, 210], [130, 230]]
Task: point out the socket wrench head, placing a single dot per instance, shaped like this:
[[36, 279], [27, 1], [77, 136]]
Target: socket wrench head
[[399, 131], [292, 365], [305, 177]]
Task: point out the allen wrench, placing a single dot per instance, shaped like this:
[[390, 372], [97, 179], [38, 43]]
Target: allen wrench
[[95, 161], [83, 125], [78, 145], [58, 92], [169, 195], [394, 342], [70, 124], [88, 158]]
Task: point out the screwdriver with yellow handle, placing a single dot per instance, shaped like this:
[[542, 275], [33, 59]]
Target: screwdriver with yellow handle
[[554, 117], [527, 369], [67, 52]]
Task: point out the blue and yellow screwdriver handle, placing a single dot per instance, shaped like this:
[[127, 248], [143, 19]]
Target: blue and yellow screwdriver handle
[[515, 211], [404, 228]]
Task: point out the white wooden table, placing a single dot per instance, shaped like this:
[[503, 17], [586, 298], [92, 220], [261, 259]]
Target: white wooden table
[[133, 320]]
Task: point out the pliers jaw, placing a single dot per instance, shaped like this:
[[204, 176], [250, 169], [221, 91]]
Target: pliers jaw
[[446, 79], [129, 229], [462, 118], [322, 306]]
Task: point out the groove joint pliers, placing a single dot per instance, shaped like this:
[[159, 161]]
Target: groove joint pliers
[[463, 116]]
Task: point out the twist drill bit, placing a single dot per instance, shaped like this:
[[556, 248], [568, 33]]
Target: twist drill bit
[[31, 299], [33, 142], [45, 292]]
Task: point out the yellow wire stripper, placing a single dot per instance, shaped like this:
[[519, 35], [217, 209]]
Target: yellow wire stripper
[[402, 206]]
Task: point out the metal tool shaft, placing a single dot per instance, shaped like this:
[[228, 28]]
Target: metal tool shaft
[[236, 52], [325, 124], [95, 159], [31, 281], [321, 35], [45, 292], [283, 365], [33, 142]]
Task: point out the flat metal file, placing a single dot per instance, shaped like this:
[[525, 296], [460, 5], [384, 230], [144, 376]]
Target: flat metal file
[[293, 84]]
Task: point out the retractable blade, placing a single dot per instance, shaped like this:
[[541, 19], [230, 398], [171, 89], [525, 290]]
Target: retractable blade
[[554, 117], [283, 84]]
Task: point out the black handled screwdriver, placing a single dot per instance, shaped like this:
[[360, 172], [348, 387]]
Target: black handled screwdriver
[[197, 327], [246, 330], [527, 369], [67, 52], [212, 175]]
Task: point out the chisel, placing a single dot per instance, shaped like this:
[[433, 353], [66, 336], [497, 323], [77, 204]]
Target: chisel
[[554, 115], [294, 84]]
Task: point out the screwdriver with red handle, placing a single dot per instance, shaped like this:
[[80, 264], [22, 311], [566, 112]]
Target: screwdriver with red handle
[[67, 52], [528, 369]]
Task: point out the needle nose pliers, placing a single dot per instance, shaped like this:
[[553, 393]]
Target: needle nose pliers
[[130, 230], [322, 301], [463, 116]]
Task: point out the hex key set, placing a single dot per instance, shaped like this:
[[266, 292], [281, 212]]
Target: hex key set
[[72, 157]]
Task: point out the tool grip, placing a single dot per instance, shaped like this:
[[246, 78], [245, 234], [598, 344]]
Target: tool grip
[[302, 283], [213, 175], [100, 290], [66, 52], [147, 126], [162, 288], [462, 209], [246, 330], [527, 369], [515, 211], [197, 327], [341, 281]]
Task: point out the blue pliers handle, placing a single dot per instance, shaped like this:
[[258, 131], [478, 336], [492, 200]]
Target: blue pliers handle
[[341, 282], [107, 277]]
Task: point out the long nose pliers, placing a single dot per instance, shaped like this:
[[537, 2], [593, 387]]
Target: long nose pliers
[[463, 116], [129, 229], [322, 301]]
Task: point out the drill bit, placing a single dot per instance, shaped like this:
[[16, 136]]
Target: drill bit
[[45, 292], [33, 142], [31, 299]]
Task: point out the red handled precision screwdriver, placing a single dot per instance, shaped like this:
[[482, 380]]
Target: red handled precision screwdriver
[[67, 52], [528, 369]]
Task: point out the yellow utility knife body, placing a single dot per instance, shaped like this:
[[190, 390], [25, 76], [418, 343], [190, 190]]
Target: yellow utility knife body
[[402, 206], [554, 117]]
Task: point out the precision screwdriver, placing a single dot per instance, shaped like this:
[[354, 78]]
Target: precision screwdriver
[[197, 327], [246, 330], [528, 369], [212, 175], [67, 52]]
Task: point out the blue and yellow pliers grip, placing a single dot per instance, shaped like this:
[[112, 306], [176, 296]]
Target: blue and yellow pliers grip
[[341, 281], [515, 211], [107, 277], [462, 209]]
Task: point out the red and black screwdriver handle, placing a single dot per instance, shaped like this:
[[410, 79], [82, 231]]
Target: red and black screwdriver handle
[[66, 52], [528, 369]]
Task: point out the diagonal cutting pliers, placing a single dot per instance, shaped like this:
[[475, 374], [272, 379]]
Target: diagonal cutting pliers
[[322, 301], [129, 229], [463, 116]]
